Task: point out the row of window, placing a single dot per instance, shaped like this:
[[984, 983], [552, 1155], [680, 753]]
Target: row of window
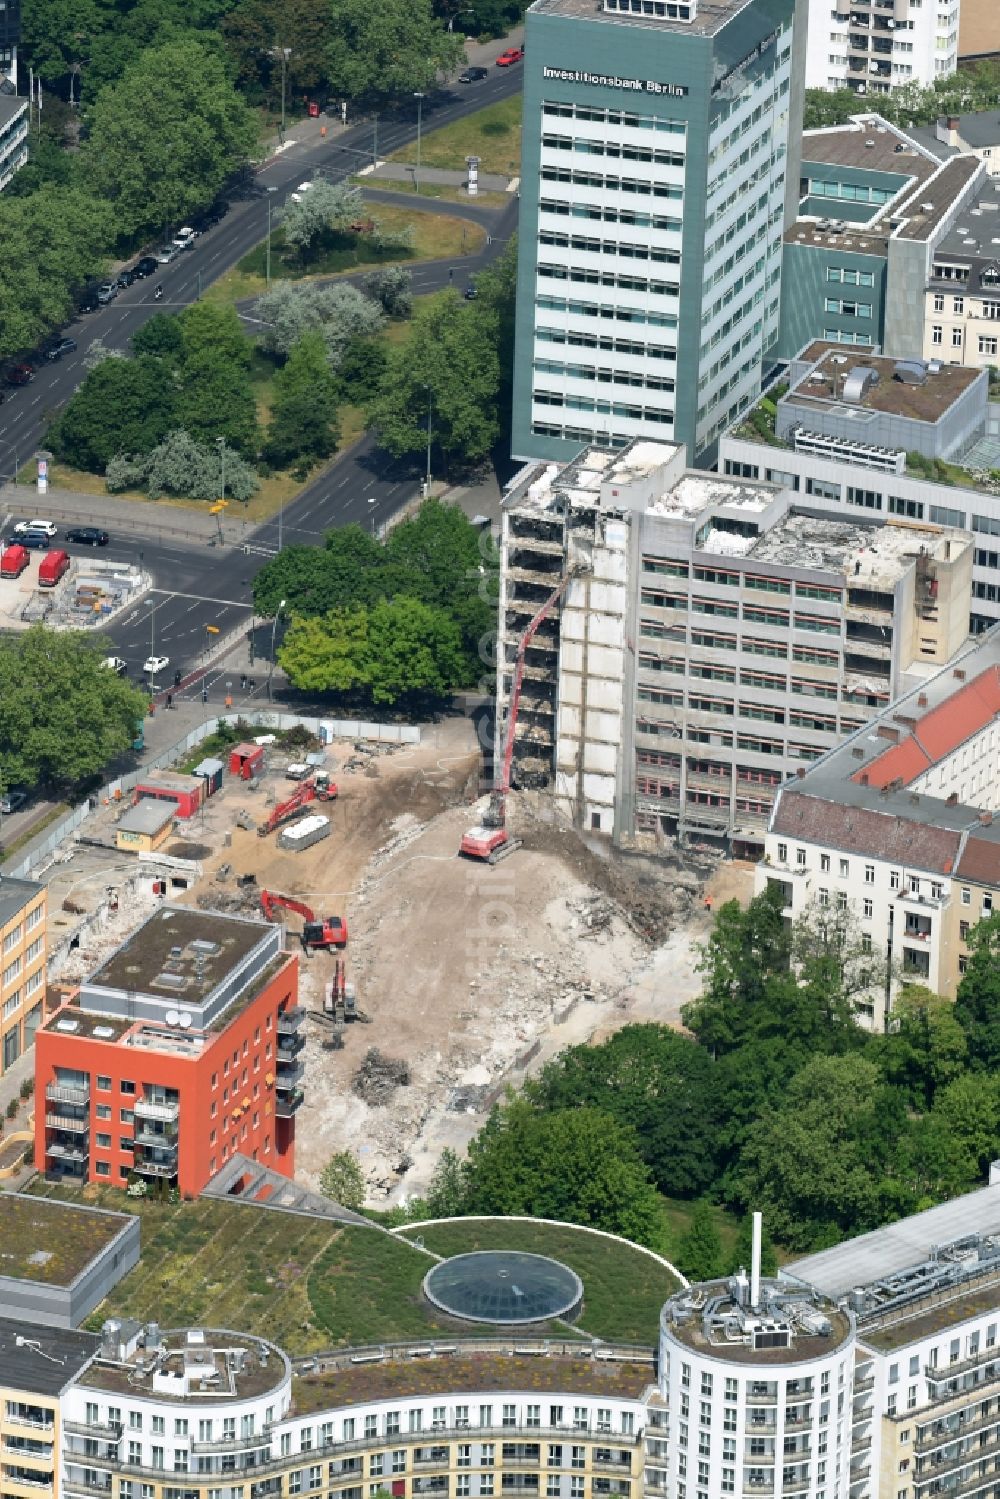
[[633, 217], [681, 666], [621, 150], [697, 702], [604, 376], [609, 247], [592, 277], [611, 184], [610, 313], [625, 117], [844, 276], [575, 340], [674, 567], [760, 614], [663, 416]]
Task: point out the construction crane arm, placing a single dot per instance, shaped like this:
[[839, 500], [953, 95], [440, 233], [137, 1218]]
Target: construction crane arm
[[501, 784]]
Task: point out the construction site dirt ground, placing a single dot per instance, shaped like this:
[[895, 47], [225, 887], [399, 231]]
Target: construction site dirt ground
[[469, 974]]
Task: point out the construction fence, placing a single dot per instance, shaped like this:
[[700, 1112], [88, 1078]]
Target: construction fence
[[324, 729]]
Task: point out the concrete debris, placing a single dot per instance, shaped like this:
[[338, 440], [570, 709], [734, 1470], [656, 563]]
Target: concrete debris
[[378, 1077], [594, 913]]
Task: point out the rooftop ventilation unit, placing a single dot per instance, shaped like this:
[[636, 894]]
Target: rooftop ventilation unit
[[927, 208], [103, 1032], [67, 1025], [910, 372], [170, 981], [858, 382], [172, 1017], [205, 948]]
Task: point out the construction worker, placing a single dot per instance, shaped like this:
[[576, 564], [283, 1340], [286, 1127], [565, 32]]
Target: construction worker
[[170, 700]]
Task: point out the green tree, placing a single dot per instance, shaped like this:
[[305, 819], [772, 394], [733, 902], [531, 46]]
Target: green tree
[[415, 653], [660, 1083], [969, 1109], [342, 1180], [215, 399], [161, 337], [304, 413], [329, 652], [445, 379], [215, 329], [925, 1048], [342, 314], [699, 1254], [439, 557], [386, 51], [63, 715], [977, 1004], [745, 952], [326, 209], [162, 141], [123, 406], [819, 1166], [314, 580], [180, 466], [391, 286], [741, 1257], [448, 1191], [50, 243], [576, 1165], [254, 33]]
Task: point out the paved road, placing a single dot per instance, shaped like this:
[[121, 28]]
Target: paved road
[[172, 620]]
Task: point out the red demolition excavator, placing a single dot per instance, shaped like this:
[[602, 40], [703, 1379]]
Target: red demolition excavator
[[490, 840], [319, 788], [330, 931]]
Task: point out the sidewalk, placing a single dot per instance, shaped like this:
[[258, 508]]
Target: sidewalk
[[399, 171], [139, 517]]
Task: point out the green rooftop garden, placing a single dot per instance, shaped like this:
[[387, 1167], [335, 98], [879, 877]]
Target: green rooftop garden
[[309, 1285], [50, 1242]]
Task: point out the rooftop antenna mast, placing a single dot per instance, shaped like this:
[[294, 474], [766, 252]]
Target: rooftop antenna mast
[[755, 1263]]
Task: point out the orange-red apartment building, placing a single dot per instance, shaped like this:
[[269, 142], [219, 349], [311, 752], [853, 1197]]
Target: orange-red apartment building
[[179, 1052]]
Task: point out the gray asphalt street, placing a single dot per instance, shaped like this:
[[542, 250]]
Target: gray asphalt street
[[202, 584]]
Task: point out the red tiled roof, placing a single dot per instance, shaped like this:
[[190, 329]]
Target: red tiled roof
[[862, 830], [980, 860], [938, 733]]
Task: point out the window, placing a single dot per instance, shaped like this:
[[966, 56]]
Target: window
[[966, 896], [800, 858], [104, 1084], [869, 874], [868, 910], [987, 345], [103, 1111], [845, 869], [937, 334], [957, 338], [103, 1141]]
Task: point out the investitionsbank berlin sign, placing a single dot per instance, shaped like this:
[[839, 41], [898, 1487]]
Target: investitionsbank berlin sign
[[611, 80]]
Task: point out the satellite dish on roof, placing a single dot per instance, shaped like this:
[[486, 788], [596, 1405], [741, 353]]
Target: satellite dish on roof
[[184, 1019], [172, 1017]]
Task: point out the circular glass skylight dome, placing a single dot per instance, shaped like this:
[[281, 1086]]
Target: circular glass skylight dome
[[504, 1286]]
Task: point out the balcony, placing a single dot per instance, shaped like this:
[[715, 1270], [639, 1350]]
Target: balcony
[[286, 1106], [36, 1419], [290, 1046], [99, 1429], [150, 1140], [62, 1152], [150, 1108], [67, 1122], [767, 1397], [156, 1168], [291, 1021], [289, 1073], [78, 1096], [234, 1443]]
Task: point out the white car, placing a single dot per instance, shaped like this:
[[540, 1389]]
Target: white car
[[153, 664], [167, 254], [23, 526], [184, 238], [299, 192], [117, 664]]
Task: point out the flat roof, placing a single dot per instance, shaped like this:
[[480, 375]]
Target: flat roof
[[345, 1383], [15, 894], [147, 816], [168, 780], [72, 1019], [201, 947], [898, 1246], [42, 1360], [704, 1322], [868, 142], [924, 209], [10, 107], [873, 555], [712, 15], [860, 239], [696, 492], [51, 1242], [822, 385], [946, 1309], [981, 128], [198, 1359]]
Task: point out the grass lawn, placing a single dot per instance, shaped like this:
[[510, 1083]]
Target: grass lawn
[[604, 1267], [436, 236], [493, 134], [443, 191]]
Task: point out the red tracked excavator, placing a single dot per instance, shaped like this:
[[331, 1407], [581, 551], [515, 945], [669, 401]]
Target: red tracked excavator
[[330, 931], [319, 788]]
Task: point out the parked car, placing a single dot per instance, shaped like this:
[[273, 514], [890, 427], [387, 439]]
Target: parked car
[[184, 238], [106, 292], [154, 664], [89, 302], [20, 374], [473, 75], [13, 560], [145, 267], [12, 801], [88, 536], [166, 254], [300, 191], [39, 541], [127, 277], [511, 56], [471, 292], [117, 664], [24, 526], [312, 109], [53, 567], [61, 346]]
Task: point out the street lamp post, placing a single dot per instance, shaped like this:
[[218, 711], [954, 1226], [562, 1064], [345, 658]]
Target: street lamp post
[[430, 410], [284, 53], [274, 628], [420, 109], [221, 445], [267, 256]]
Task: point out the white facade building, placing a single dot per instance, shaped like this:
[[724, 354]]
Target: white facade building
[[874, 47]]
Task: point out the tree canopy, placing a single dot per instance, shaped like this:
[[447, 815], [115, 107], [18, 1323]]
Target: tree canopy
[[51, 242], [63, 715], [380, 52]]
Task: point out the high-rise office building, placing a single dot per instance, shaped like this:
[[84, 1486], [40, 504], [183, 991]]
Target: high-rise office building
[[875, 47], [659, 137]]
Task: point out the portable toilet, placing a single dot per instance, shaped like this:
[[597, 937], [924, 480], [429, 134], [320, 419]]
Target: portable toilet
[[246, 760], [210, 772]]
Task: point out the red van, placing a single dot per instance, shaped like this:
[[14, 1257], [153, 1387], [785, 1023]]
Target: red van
[[52, 567], [13, 561]]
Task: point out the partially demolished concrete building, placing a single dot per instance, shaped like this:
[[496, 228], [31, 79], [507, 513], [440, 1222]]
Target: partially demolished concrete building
[[713, 636]]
